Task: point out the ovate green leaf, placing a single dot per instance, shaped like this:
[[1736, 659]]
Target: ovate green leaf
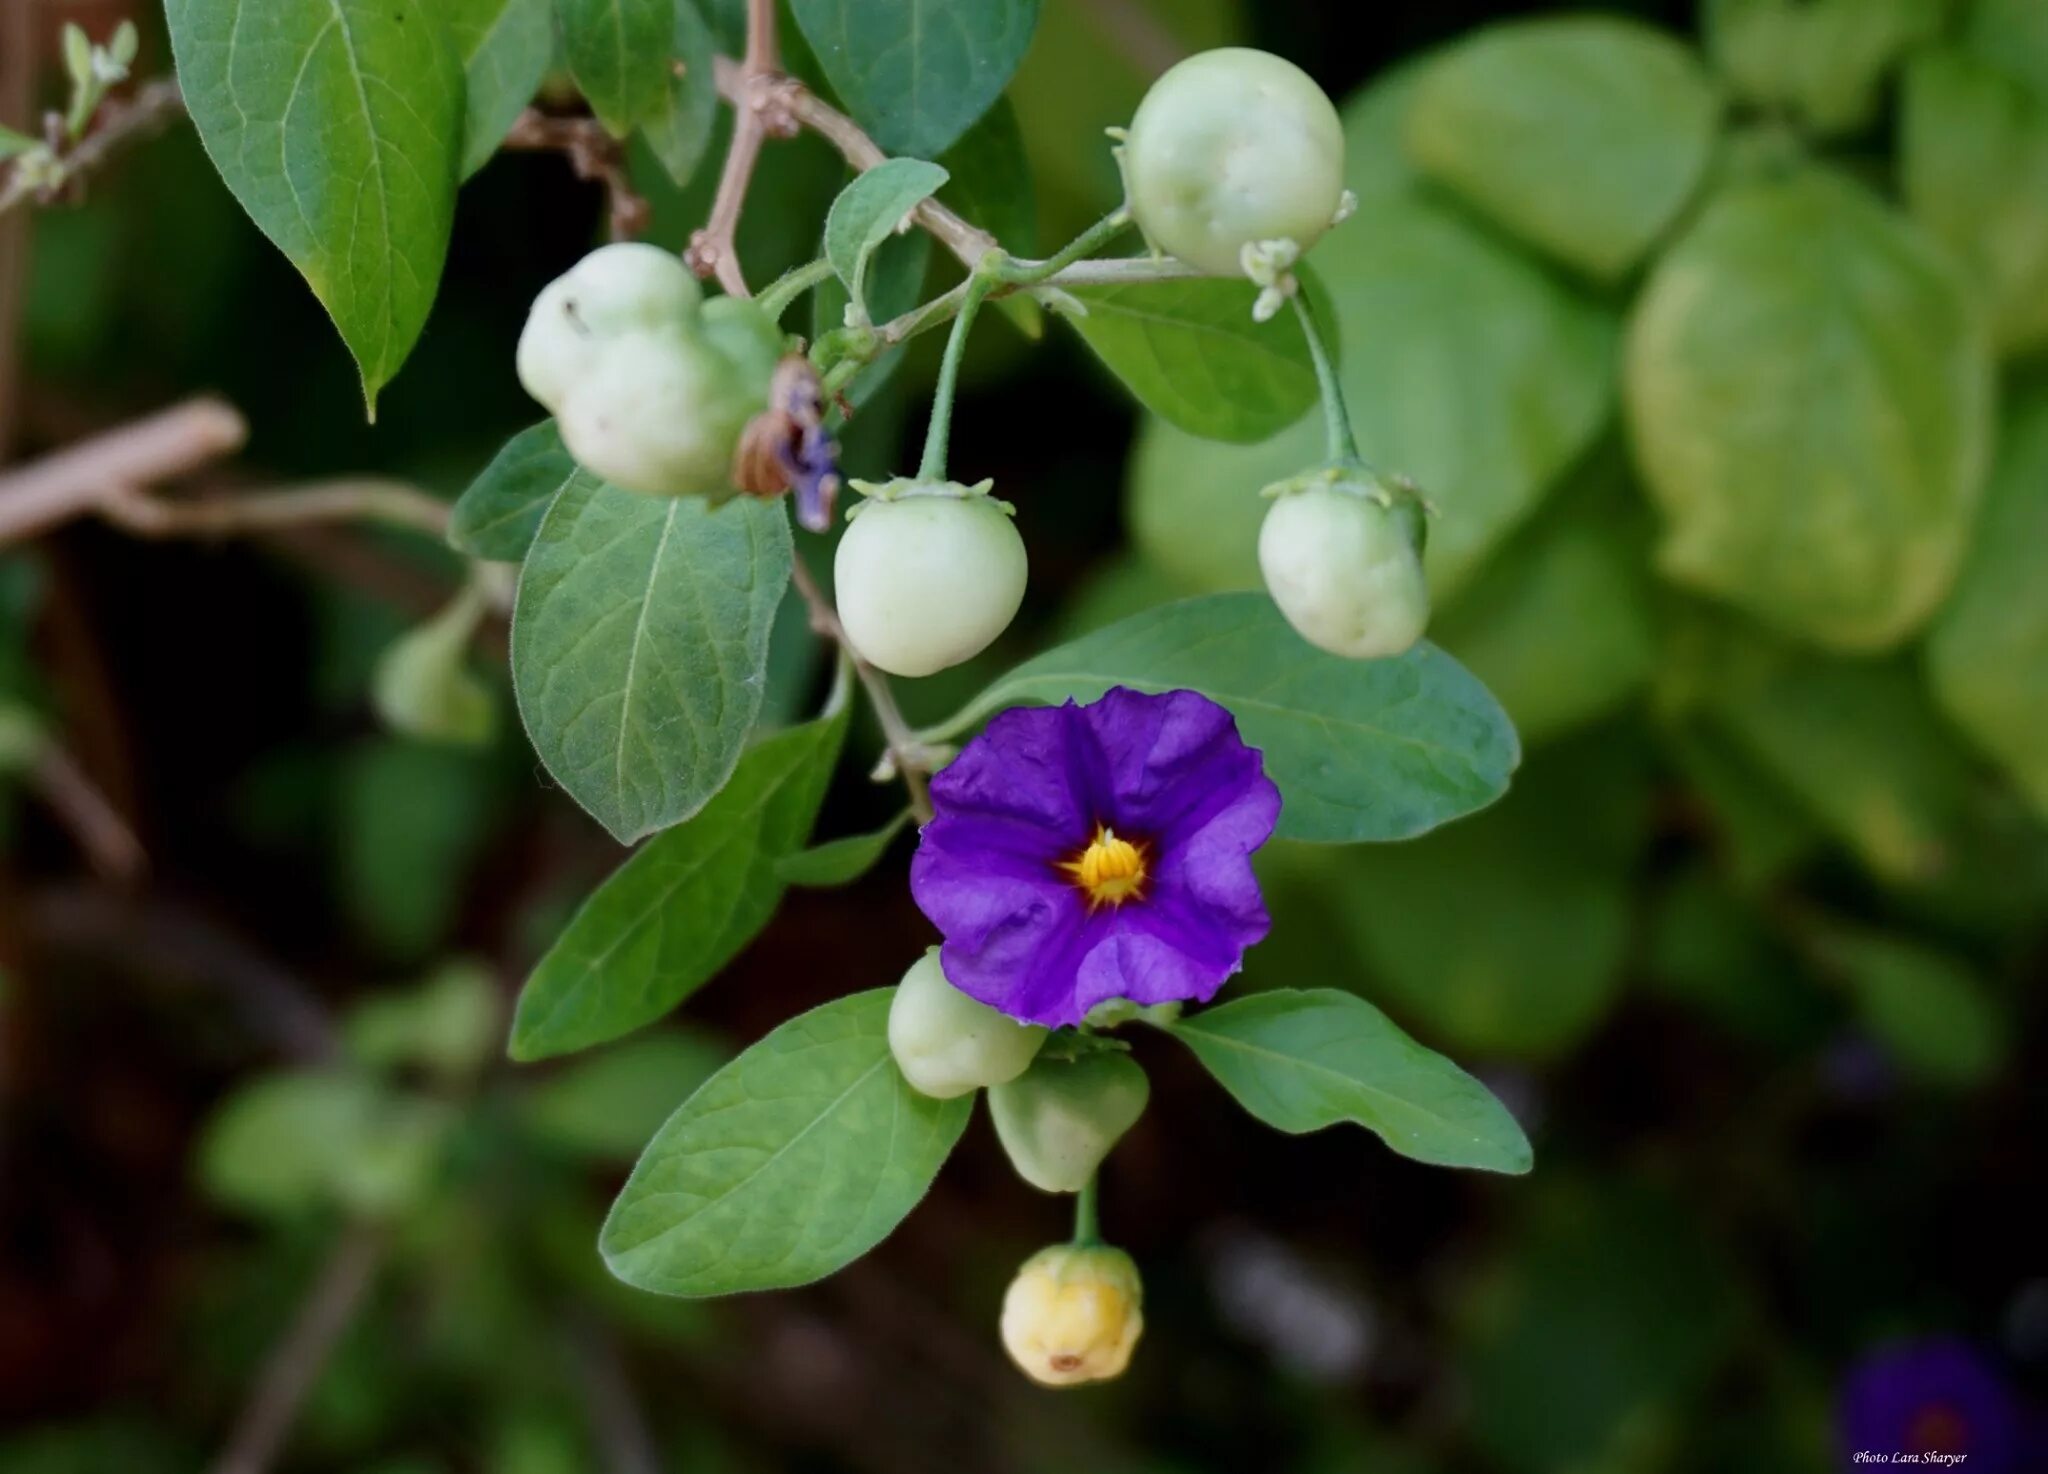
[[1973, 163], [500, 512], [1583, 135], [1988, 651], [1361, 749], [338, 126], [840, 861], [1506, 933], [683, 906], [791, 1162], [1303, 1060], [1191, 353], [639, 643], [1923, 1005], [867, 212], [505, 46], [917, 73], [1810, 397], [678, 129], [618, 51]]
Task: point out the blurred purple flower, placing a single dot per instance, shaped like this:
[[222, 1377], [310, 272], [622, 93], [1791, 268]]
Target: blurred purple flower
[[1934, 1396], [1085, 853]]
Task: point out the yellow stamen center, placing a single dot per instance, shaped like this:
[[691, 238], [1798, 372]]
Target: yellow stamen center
[[1111, 870]]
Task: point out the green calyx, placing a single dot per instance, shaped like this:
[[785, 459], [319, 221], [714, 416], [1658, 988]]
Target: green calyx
[[1395, 492], [905, 488]]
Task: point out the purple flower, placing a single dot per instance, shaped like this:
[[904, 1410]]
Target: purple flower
[[1084, 853], [1936, 1396]]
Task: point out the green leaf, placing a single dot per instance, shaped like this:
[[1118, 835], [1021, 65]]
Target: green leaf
[[639, 644], [1191, 353], [679, 128], [337, 124], [1583, 135], [412, 818], [1302, 1060], [2012, 34], [1361, 749], [1822, 62], [1507, 933], [607, 1104], [840, 861], [12, 143], [894, 284], [1987, 655], [286, 1144], [447, 1024], [917, 73], [1810, 395], [1560, 625], [1860, 748], [1973, 165], [505, 46], [989, 181], [1925, 1006], [618, 51], [791, 1162], [423, 686], [867, 213], [498, 515], [683, 906], [1475, 372]]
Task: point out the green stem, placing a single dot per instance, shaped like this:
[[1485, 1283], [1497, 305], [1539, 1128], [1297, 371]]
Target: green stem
[[1087, 243], [792, 284], [1087, 1231], [995, 270], [933, 465], [1343, 448]]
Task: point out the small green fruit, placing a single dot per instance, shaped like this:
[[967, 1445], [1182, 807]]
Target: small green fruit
[[1061, 1117], [928, 574], [1229, 148], [1342, 557], [948, 1044]]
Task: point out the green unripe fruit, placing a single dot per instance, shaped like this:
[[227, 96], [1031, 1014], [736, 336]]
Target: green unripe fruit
[[650, 385], [1232, 147], [1342, 557], [1061, 1117], [928, 574], [946, 1043]]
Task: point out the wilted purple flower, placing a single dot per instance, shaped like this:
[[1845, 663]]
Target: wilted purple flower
[[1930, 1397], [785, 447], [1084, 853]]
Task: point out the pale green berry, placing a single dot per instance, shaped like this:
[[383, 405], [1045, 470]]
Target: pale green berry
[[1231, 148], [1343, 560], [946, 1043], [1061, 1117], [615, 289], [928, 575]]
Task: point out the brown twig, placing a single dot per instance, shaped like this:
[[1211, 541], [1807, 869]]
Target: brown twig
[[789, 98], [76, 480], [906, 753], [758, 112], [393, 502], [594, 154], [88, 815], [295, 1363], [120, 123]]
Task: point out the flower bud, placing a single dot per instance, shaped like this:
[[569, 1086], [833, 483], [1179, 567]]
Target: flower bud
[[946, 1043], [1341, 551], [929, 573], [1060, 1118], [1074, 1314]]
